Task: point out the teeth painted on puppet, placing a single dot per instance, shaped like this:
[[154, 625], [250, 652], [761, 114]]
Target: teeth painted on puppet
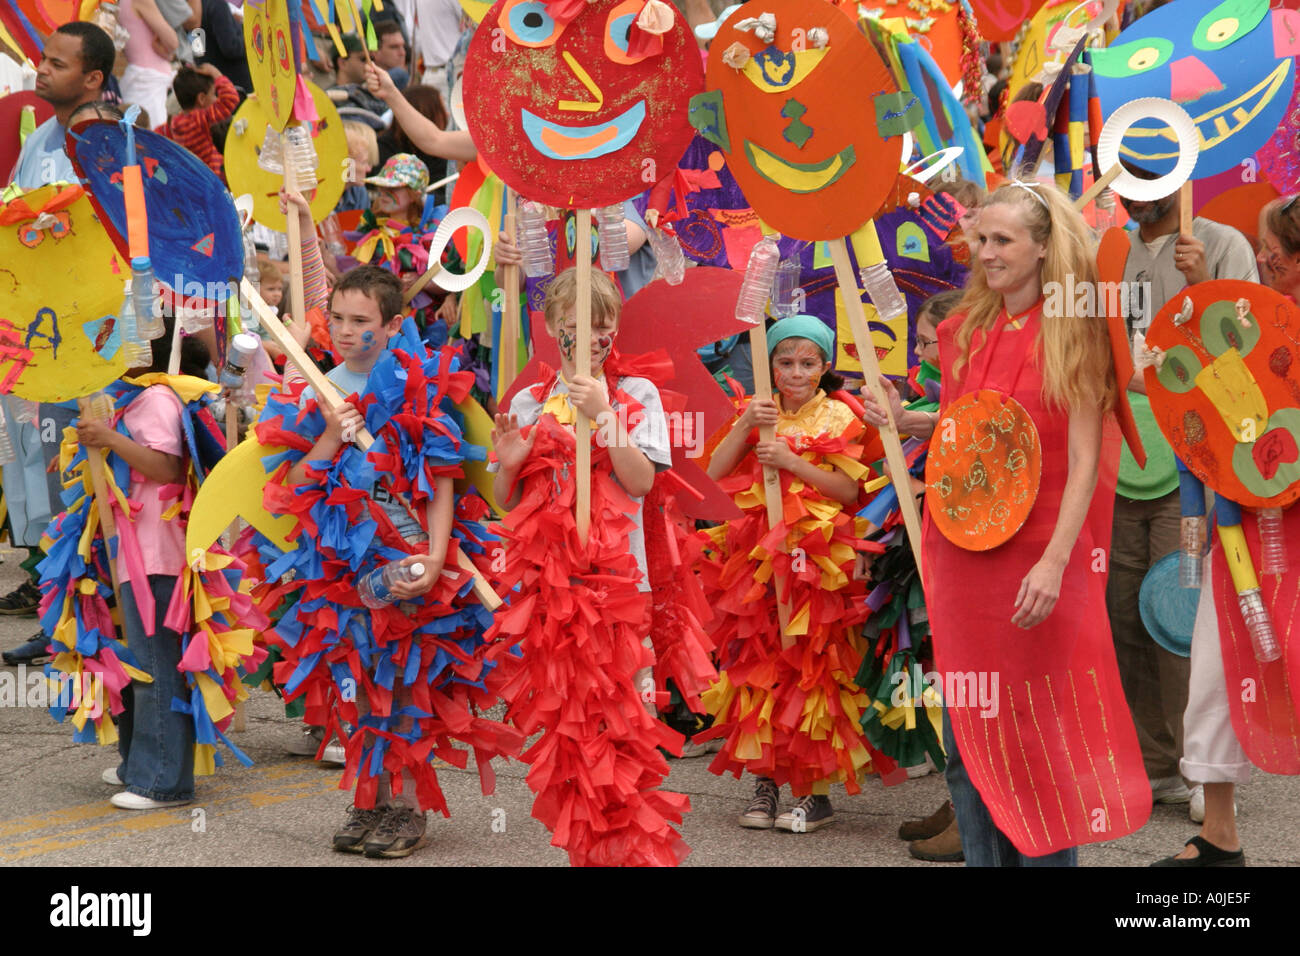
[[971, 689]]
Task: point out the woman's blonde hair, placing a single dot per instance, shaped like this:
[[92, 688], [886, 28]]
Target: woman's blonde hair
[[1078, 370]]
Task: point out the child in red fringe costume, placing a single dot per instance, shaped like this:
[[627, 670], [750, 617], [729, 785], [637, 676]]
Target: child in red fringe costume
[[790, 715], [580, 609]]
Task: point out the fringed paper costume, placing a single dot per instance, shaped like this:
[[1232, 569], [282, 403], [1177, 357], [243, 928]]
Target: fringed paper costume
[[1054, 755], [210, 607], [579, 618], [791, 714], [905, 718], [417, 667]]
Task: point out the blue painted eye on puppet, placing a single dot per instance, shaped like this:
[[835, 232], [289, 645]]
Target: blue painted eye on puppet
[[1228, 63]]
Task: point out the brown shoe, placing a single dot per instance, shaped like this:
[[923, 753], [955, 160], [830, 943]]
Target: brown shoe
[[931, 826], [944, 848]]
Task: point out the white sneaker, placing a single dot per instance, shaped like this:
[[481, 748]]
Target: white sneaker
[[334, 753], [922, 769], [133, 801], [1170, 790], [1196, 809], [111, 778]]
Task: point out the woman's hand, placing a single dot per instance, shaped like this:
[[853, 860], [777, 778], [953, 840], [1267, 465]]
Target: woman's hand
[[380, 84], [873, 412], [759, 413], [1038, 593], [511, 447], [776, 454], [423, 584]]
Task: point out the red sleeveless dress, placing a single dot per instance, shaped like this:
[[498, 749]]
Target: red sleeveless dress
[[1051, 747]]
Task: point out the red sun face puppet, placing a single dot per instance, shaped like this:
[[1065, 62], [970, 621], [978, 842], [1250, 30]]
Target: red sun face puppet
[[581, 104], [797, 97]]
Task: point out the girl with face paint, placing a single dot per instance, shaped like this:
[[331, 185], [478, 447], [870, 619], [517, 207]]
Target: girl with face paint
[[790, 716]]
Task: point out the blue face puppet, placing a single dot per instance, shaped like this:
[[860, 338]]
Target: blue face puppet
[[1228, 63]]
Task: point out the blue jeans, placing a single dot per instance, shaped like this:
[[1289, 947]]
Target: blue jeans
[[982, 843], [156, 742]]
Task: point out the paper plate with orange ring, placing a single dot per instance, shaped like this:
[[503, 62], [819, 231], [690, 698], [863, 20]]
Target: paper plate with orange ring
[[982, 470], [1227, 392]]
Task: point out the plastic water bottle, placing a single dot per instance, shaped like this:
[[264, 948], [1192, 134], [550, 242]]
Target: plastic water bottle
[[333, 233], [1272, 543], [534, 244], [1191, 559], [148, 318], [136, 352], [669, 259], [7, 453], [376, 588], [24, 409], [760, 273], [785, 293], [884, 294], [614, 256], [300, 152], [1260, 626], [242, 348]]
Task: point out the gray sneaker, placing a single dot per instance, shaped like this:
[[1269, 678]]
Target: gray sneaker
[[351, 837], [400, 833], [761, 812]]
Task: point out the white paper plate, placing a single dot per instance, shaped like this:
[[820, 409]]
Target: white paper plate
[[942, 159], [1173, 116]]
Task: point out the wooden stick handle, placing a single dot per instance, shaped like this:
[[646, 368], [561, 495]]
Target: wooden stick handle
[[1093, 191], [902, 480], [327, 392], [508, 361], [771, 478], [1185, 209], [582, 358]]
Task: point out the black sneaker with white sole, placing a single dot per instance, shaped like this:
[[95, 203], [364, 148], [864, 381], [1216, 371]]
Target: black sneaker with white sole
[[809, 814], [34, 651], [761, 812]]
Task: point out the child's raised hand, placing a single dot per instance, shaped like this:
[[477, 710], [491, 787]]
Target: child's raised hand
[[776, 454], [589, 396], [424, 583], [511, 447], [296, 199], [93, 434], [759, 413], [343, 422]]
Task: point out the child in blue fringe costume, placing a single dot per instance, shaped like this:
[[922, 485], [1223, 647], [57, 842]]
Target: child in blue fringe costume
[[905, 717], [407, 678], [188, 628]]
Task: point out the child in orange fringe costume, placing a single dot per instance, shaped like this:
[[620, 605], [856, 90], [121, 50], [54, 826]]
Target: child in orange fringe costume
[[579, 614], [790, 715]]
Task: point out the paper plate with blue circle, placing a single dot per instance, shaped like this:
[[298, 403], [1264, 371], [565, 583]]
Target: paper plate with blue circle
[[194, 239], [1168, 610]]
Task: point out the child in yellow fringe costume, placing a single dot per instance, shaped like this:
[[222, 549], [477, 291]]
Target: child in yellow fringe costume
[[790, 715]]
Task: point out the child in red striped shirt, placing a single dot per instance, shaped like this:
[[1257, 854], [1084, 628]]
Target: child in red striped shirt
[[206, 98]]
